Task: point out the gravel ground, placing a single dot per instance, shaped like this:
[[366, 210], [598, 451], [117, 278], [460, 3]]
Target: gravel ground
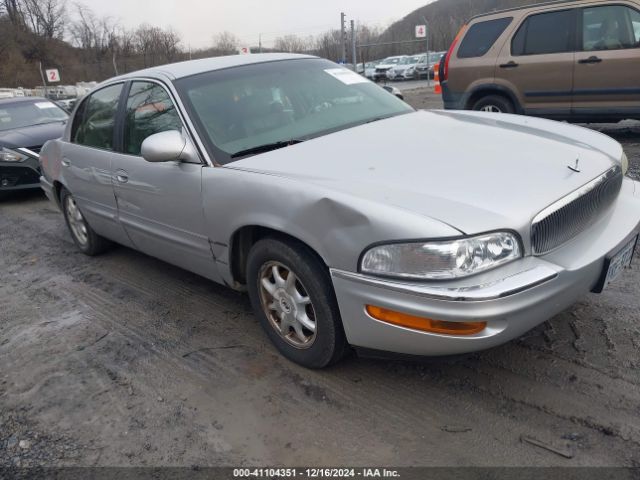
[[123, 360]]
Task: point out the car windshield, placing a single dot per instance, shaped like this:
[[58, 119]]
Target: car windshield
[[24, 114], [250, 107], [409, 60], [392, 61]]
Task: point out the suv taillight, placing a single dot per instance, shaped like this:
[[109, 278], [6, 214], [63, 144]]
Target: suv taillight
[[444, 66]]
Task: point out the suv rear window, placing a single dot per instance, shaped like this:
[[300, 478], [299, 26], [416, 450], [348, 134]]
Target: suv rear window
[[545, 33], [481, 37]]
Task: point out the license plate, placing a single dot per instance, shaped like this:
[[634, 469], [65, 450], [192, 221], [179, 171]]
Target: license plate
[[617, 263]]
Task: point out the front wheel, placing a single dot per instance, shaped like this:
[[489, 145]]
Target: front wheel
[[88, 241], [494, 104], [292, 296]]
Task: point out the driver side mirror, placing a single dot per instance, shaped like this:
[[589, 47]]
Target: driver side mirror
[[169, 146]]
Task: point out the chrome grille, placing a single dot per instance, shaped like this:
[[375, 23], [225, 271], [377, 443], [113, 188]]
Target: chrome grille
[[565, 219]]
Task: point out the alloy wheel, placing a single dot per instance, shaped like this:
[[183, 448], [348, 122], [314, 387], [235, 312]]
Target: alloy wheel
[[287, 305], [490, 108], [76, 221]]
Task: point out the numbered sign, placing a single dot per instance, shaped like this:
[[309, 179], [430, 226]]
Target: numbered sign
[[53, 76], [244, 50], [421, 31]]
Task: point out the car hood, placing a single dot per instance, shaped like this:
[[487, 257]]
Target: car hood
[[32, 136], [474, 171], [400, 68]]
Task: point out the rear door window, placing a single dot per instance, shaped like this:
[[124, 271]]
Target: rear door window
[[611, 27], [481, 37], [545, 33], [96, 126]]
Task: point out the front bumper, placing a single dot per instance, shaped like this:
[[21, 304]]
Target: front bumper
[[19, 175], [380, 74], [512, 299]]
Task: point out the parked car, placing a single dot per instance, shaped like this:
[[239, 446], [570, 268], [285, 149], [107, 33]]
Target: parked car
[[406, 68], [424, 69], [382, 68], [394, 91], [370, 69], [66, 104], [26, 123], [530, 60], [307, 185]]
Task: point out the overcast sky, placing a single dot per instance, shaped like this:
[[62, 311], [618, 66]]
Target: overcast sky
[[198, 20]]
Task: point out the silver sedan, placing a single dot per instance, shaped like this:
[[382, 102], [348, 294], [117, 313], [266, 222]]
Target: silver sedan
[[351, 219]]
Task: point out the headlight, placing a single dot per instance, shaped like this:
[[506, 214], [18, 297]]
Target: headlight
[[442, 260], [7, 155], [411, 69], [625, 163]]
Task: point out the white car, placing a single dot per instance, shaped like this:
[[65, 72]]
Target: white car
[[385, 65], [406, 68]]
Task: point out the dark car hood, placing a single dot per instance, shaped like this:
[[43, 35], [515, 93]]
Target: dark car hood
[[33, 136]]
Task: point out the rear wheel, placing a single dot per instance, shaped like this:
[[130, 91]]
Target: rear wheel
[[88, 241], [292, 296], [494, 104]]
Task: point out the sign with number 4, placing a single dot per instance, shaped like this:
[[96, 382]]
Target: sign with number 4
[[53, 76], [421, 31]]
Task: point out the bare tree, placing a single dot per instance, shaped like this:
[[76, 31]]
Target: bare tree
[[292, 44], [157, 45], [13, 9], [45, 18], [226, 43], [328, 45]]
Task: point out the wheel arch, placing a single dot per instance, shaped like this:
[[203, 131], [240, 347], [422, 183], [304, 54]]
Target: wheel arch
[[58, 186], [492, 89], [245, 237]]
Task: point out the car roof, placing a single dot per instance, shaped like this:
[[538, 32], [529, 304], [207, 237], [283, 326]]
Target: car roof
[[552, 3], [15, 100], [192, 67]]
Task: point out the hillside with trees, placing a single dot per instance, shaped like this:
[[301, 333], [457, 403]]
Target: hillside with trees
[[85, 47]]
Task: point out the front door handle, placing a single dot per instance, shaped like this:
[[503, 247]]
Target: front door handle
[[65, 162], [592, 59], [511, 64], [122, 177]]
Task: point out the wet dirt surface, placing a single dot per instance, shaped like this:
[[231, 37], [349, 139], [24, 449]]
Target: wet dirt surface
[[124, 360]]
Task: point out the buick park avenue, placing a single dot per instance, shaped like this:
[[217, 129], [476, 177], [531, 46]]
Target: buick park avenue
[[311, 188]]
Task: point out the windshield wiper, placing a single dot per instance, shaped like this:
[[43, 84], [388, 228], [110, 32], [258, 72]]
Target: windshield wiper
[[267, 147]]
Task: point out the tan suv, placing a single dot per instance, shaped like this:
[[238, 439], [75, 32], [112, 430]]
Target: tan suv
[[577, 61]]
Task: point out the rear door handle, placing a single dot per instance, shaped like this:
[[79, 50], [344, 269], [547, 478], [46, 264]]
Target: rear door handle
[[65, 162], [511, 64], [592, 59]]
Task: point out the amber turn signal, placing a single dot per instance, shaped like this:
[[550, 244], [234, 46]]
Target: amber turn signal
[[425, 324]]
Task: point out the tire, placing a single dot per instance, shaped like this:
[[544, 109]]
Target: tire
[[87, 241], [494, 103], [278, 307]]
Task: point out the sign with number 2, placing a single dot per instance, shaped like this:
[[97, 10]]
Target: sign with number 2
[[53, 75]]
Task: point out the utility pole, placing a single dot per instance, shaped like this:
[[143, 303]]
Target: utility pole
[[343, 35], [260, 43], [426, 26], [115, 66], [354, 56], [44, 82]]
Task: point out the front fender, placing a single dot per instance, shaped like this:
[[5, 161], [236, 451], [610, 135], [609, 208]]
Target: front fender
[[336, 225]]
